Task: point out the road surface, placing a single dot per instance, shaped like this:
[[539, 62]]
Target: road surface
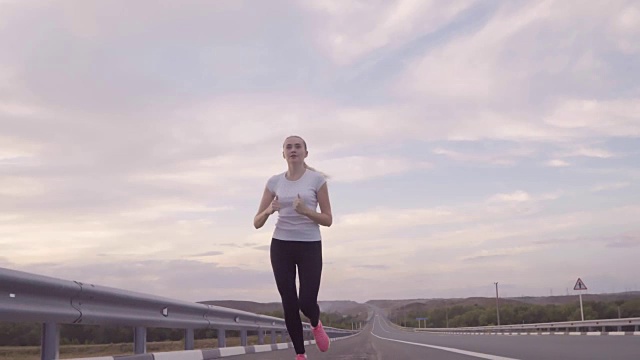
[[381, 341]]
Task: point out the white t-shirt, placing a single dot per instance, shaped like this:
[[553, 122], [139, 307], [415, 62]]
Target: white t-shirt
[[290, 224]]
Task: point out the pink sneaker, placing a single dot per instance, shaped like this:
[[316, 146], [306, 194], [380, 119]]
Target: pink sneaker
[[301, 357], [322, 340]]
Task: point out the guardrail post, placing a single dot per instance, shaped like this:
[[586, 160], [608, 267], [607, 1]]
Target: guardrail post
[[189, 339], [222, 340], [243, 337], [260, 337], [274, 335], [50, 341], [140, 340]]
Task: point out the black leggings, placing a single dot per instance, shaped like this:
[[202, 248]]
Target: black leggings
[[307, 255]]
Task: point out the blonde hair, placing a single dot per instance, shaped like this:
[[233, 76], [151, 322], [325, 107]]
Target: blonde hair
[[305, 163]]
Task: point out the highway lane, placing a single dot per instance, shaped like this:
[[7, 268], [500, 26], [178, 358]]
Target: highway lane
[[364, 346], [521, 347], [358, 347], [379, 340]]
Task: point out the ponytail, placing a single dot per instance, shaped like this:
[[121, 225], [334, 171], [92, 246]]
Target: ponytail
[[312, 169]]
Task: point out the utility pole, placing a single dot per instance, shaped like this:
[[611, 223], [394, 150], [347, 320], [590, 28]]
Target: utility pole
[[497, 305], [446, 314]]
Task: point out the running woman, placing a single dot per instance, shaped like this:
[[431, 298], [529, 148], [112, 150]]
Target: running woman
[[296, 242]]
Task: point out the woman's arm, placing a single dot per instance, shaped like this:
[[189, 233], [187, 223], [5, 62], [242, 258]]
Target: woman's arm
[[324, 217], [268, 205]]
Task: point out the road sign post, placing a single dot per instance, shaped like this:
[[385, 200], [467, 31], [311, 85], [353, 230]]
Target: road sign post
[[580, 286], [420, 321], [581, 310]]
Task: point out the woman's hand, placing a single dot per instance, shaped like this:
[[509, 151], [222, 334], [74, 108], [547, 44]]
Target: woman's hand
[[299, 206], [274, 205]]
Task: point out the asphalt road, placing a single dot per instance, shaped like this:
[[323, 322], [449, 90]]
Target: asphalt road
[[380, 341]]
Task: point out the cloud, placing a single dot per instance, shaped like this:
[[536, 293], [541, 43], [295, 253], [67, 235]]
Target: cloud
[[625, 28], [625, 241], [590, 152], [372, 267], [360, 168], [468, 67], [485, 69], [350, 30], [518, 196], [18, 110], [557, 163], [474, 224], [509, 157], [518, 203], [163, 208], [13, 186], [187, 280], [393, 218], [4, 262], [435, 122], [610, 186], [16, 151], [499, 252], [209, 253], [239, 245], [452, 226], [120, 237], [596, 117]]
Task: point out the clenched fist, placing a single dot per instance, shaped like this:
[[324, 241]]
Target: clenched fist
[[274, 206], [299, 206]]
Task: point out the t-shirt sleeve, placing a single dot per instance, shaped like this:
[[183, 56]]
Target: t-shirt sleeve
[[271, 184], [320, 180]]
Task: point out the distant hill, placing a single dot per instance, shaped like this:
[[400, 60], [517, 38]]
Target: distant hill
[[342, 307], [428, 304], [567, 299], [347, 307]]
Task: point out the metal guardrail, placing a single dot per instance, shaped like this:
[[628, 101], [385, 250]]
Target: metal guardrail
[[603, 324], [26, 297]]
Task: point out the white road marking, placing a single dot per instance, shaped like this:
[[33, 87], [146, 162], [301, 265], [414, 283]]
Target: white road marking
[[458, 351], [453, 350]]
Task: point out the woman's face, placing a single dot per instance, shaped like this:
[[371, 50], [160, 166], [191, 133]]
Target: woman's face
[[294, 150]]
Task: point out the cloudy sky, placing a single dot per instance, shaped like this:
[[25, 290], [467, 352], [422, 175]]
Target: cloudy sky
[[468, 142]]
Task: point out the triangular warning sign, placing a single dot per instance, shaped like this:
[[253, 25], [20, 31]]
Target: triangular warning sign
[[580, 285]]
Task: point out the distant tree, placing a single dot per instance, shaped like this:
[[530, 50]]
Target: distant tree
[[463, 316]]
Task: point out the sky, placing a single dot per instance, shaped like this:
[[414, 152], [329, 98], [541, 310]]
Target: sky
[[467, 143]]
